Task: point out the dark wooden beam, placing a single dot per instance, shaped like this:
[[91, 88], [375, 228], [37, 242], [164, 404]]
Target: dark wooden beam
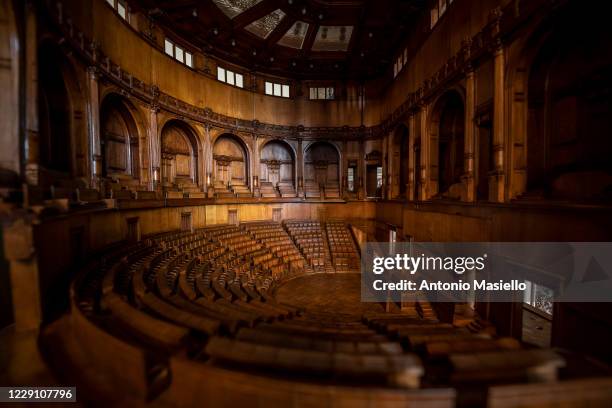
[[311, 34], [254, 13], [280, 30]]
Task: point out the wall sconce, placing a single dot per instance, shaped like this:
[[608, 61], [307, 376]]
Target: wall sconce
[[209, 179], [255, 181], [156, 174]]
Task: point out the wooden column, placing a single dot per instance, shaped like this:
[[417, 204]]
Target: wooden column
[[155, 147], [207, 159], [362, 171], [412, 129], [497, 178], [425, 157], [469, 193], [32, 148], [255, 167], [93, 120], [300, 168], [343, 169], [10, 64]]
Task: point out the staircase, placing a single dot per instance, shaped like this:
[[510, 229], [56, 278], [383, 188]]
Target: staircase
[[221, 190], [267, 190], [241, 190], [332, 190], [329, 265], [286, 189], [311, 189]]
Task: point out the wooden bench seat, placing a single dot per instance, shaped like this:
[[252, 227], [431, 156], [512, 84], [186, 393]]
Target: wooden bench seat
[[578, 393], [281, 339], [405, 370], [539, 365], [151, 330]]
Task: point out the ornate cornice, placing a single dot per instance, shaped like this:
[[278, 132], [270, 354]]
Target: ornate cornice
[[480, 46]]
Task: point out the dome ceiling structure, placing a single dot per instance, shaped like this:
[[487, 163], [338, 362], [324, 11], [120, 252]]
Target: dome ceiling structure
[[302, 39]]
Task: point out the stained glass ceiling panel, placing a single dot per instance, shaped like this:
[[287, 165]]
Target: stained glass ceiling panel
[[294, 37], [265, 25], [332, 38], [232, 8]]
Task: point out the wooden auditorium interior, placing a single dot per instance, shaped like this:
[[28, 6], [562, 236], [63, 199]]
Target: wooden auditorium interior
[[186, 188]]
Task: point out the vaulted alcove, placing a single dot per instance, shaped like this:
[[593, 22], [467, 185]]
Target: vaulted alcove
[[54, 106], [231, 163], [398, 160], [447, 143], [277, 168], [179, 155], [120, 137], [569, 123], [322, 169]]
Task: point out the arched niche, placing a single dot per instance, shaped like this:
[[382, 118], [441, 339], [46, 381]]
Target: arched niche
[[277, 163], [54, 110], [120, 137], [374, 172], [399, 161], [447, 129], [569, 100], [231, 164], [10, 44], [179, 148], [322, 165]]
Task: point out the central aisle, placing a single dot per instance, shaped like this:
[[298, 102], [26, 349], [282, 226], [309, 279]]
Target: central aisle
[[327, 293]]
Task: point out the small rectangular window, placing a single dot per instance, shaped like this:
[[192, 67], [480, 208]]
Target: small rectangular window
[[178, 53], [169, 47], [189, 59], [122, 10], [331, 93], [285, 91], [239, 81], [111, 2], [230, 77], [220, 74], [277, 90], [321, 93], [269, 90], [379, 177], [351, 179], [313, 93]]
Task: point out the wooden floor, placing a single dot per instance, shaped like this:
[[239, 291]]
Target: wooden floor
[[336, 294]]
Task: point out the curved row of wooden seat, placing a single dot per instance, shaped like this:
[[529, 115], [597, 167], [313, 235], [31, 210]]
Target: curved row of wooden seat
[[182, 298]]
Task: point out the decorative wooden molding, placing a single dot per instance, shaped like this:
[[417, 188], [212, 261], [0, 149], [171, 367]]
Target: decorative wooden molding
[[481, 45]]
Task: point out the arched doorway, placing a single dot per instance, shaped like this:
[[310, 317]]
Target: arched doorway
[[447, 136], [277, 168], [179, 156], [569, 103], [322, 170], [231, 165], [399, 162], [120, 136], [54, 106]]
